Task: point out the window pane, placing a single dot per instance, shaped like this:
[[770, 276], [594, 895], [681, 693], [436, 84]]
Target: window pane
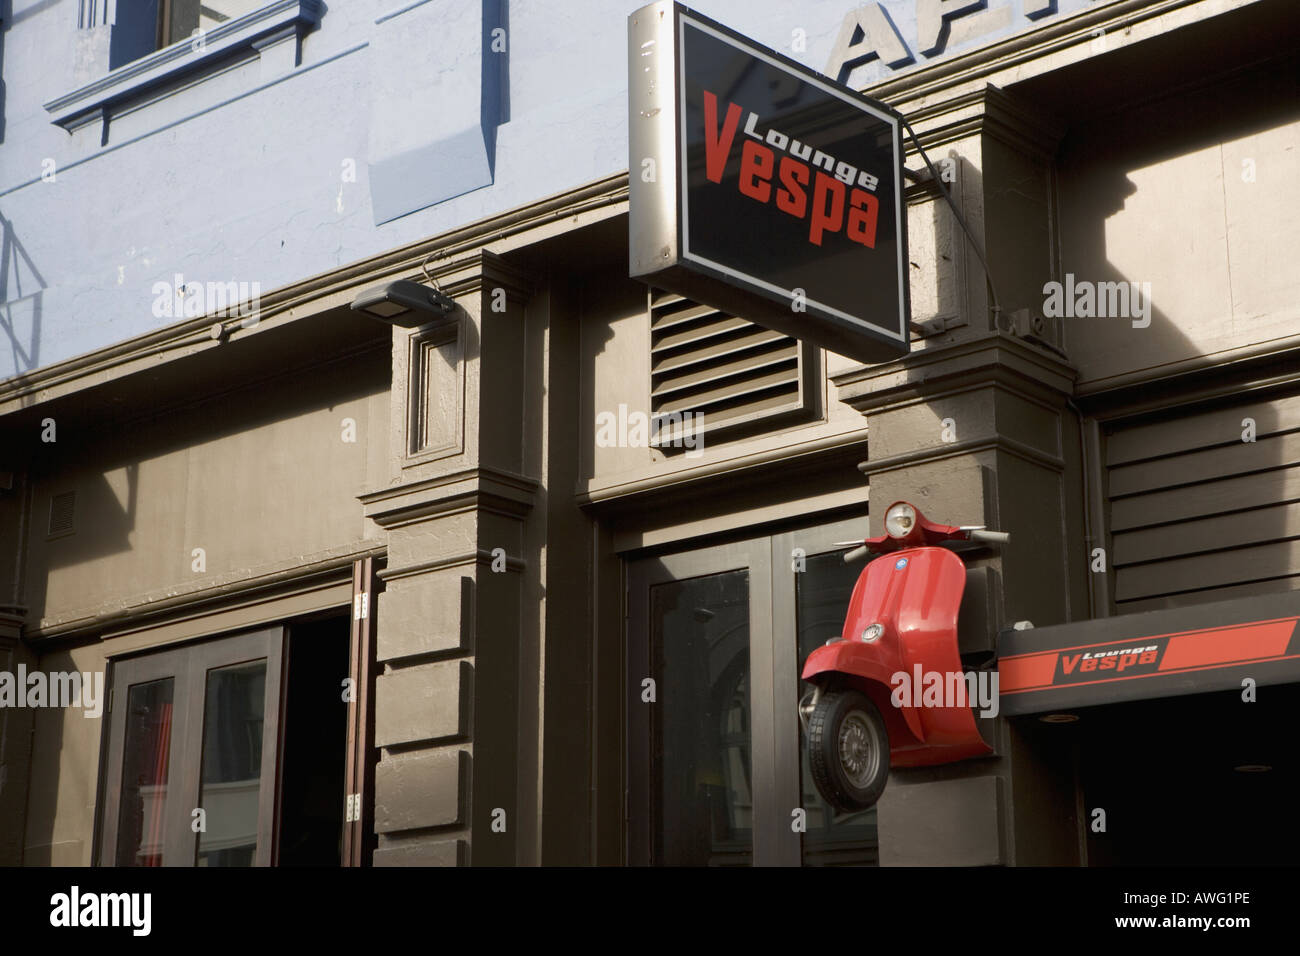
[[823, 590], [135, 32], [700, 635], [190, 15], [232, 764], [146, 764]]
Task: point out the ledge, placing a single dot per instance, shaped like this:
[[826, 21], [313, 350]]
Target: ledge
[[223, 593], [972, 362], [470, 489], [448, 253], [133, 80]]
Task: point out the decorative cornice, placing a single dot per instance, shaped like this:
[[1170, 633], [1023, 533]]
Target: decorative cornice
[[990, 110], [475, 558], [935, 80], [471, 489], [925, 373], [723, 477], [230, 591], [1203, 378], [306, 297], [478, 270], [961, 449]]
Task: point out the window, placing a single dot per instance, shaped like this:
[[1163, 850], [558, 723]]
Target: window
[[154, 52], [180, 19], [144, 26], [231, 752], [192, 754]]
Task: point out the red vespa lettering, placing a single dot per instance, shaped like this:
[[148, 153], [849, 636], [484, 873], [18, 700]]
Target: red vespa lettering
[[791, 198], [864, 209], [828, 207], [718, 146], [756, 164]]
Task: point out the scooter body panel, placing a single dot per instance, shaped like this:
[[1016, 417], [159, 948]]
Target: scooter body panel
[[915, 595]]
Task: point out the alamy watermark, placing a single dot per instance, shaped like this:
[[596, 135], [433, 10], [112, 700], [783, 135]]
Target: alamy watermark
[[946, 689], [180, 299], [1101, 300], [55, 689], [75, 908], [636, 429]]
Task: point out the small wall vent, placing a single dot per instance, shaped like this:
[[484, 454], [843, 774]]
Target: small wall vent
[[62, 508]]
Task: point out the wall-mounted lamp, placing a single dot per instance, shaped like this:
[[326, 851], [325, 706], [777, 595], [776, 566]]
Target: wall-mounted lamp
[[405, 303]]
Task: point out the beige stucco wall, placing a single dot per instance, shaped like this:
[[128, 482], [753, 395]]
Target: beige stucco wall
[[260, 479], [64, 772], [1196, 195]]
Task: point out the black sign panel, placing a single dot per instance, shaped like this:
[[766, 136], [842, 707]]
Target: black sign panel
[[790, 187]]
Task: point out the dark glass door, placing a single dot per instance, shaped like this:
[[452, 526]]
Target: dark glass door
[[701, 736], [822, 592], [698, 674], [716, 770]]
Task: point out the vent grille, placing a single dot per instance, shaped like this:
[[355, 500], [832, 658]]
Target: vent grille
[[62, 507], [723, 367]]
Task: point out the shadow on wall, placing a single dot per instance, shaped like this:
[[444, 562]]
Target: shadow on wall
[[110, 466], [1195, 510], [6, 18], [494, 107], [7, 21], [21, 288], [432, 128]]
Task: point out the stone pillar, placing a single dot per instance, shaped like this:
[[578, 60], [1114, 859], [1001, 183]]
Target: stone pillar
[[973, 427], [452, 632]]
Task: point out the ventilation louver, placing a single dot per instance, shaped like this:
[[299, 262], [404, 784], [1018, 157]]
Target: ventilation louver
[[62, 507], [726, 368]]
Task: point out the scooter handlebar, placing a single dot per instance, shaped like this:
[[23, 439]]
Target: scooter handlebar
[[857, 554], [990, 537]]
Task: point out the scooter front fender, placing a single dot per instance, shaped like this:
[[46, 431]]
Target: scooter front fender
[[915, 596], [871, 668]]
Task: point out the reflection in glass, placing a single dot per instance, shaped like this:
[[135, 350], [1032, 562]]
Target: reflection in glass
[[188, 16], [232, 764], [146, 763], [823, 590], [700, 635]]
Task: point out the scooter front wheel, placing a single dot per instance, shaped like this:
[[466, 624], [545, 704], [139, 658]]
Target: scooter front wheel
[[848, 750]]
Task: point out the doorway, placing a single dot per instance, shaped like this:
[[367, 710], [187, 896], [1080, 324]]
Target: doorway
[[230, 752], [717, 636]]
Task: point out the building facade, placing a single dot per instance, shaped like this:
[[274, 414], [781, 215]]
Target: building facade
[[340, 591]]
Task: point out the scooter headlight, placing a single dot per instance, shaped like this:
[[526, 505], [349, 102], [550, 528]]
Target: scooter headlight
[[872, 632], [900, 520]]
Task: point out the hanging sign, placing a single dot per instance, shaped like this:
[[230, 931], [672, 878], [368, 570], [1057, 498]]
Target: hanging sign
[[763, 188]]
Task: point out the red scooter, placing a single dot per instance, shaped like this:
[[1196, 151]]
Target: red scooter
[[901, 625]]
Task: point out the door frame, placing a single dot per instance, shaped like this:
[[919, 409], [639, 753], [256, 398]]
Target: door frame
[[815, 540], [774, 678], [749, 556], [188, 667]]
